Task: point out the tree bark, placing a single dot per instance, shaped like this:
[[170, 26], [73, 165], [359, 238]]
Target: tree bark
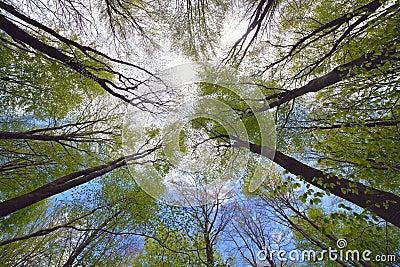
[[60, 185], [349, 125], [384, 204], [367, 62], [21, 36], [40, 137], [65, 183]]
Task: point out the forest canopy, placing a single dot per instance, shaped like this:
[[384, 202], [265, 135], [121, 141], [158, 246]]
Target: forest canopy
[[199, 133]]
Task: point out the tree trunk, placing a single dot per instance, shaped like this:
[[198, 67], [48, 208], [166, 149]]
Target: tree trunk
[[384, 204], [366, 62], [60, 185]]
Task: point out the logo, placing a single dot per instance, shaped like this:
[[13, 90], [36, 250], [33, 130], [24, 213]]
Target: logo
[[341, 243]]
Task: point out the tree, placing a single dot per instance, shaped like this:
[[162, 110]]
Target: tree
[[188, 235], [327, 74], [255, 234]]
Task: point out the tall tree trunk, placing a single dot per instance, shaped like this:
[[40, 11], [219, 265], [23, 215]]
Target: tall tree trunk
[[22, 36], [92, 237], [65, 183], [384, 204], [60, 185], [368, 62]]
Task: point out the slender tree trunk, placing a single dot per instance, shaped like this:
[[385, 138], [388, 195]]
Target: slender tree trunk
[[92, 237], [209, 250], [47, 231], [60, 185], [367, 62], [20, 35], [349, 125], [65, 183], [40, 137], [309, 237], [318, 228], [384, 204]]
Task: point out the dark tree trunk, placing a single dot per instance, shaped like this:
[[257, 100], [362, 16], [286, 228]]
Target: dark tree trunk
[[60, 185], [367, 62], [384, 204]]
